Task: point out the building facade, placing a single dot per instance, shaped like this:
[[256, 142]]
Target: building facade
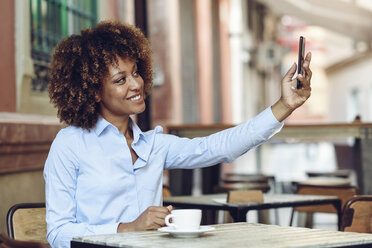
[[206, 64]]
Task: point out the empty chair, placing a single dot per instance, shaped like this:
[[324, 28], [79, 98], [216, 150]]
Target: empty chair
[[336, 173], [26, 222], [244, 182], [327, 181], [166, 191], [357, 215], [240, 177], [343, 192]]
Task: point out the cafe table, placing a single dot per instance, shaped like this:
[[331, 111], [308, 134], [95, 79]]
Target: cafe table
[[233, 235], [239, 210]]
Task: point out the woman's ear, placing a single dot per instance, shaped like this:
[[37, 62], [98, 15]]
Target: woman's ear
[[97, 98]]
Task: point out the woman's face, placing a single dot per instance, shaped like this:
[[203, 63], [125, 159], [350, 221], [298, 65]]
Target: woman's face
[[122, 92]]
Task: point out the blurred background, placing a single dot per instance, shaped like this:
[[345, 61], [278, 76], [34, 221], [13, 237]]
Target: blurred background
[[215, 62]]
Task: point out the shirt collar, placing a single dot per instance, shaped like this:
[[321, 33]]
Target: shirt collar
[[137, 132], [102, 124]]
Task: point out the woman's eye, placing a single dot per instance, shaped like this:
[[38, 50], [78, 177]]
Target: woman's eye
[[136, 74], [121, 80]]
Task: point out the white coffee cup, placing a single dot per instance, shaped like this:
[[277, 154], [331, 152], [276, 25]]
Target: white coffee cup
[[184, 219]]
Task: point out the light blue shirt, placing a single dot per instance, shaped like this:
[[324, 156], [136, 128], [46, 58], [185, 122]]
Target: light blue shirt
[[92, 184]]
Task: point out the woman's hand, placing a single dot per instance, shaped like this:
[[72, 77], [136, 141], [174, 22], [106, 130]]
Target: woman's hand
[[291, 97], [151, 219]]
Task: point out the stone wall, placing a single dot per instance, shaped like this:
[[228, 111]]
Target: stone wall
[[24, 146]]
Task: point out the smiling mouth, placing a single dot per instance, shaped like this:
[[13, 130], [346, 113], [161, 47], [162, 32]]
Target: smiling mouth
[[135, 98]]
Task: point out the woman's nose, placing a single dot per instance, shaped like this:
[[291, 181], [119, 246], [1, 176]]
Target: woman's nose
[[134, 83]]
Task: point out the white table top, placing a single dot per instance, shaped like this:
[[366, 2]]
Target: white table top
[[234, 235]]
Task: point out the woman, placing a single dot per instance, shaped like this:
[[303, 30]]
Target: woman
[[103, 174]]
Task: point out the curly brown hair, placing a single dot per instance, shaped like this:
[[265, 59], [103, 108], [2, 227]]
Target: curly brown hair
[[80, 63]]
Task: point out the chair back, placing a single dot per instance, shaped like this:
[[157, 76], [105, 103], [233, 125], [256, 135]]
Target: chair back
[[243, 196], [166, 191], [337, 173], [344, 192], [357, 215], [234, 182], [242, 178], [26, 222], [6, 242]]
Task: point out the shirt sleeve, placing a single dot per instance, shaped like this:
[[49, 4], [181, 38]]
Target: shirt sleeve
[[60, 174], [221, 147]]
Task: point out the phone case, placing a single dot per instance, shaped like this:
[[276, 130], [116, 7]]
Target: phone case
[[301, 55]]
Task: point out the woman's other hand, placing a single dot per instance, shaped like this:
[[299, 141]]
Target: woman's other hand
[[291, 97], [151, 219]]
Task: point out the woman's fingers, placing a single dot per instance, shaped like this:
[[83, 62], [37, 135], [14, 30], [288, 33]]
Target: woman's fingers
[[157, 216], [159, 221], [160, 209], [304, 81], [290, 73], [305, 90], [307, 66]]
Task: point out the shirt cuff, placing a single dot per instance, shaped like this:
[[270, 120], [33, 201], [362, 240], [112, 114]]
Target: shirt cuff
[[106, 228], [267, 121]]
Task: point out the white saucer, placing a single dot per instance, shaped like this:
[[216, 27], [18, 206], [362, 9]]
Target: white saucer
[[184, 233], [220, 200]]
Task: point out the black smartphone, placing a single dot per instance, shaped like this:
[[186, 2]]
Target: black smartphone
[[301, 58]]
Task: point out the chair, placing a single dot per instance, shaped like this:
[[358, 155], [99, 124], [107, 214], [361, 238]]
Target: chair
[[241, 196], [242, 177], [327, 181], [246, 182], [26, 222], [357, 215], [6, 242], [232, 182], [336, 173], [166, 192], [344, 192]]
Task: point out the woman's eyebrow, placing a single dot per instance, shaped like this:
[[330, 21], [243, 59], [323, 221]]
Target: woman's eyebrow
[[117, 73], [134, 67]]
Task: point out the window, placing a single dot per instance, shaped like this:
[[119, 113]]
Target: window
[[354, 106], [51, 21]]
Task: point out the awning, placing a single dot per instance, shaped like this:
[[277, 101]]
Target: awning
[[350, 18]]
